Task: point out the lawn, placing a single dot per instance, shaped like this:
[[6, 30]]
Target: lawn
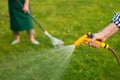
[[66, 20]]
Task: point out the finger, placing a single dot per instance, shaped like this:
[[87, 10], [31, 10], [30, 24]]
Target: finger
[[95, 45], [26, 11], [86, 42], [93, 40], [90, 43]]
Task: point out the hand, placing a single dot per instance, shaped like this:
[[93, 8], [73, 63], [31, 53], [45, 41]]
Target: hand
[[98, 36], [26, 8]]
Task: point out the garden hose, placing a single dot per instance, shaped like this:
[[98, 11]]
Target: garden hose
[[115, 54], [89, 36]]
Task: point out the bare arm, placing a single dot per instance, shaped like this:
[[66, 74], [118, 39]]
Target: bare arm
[[26, 6], [104, 34]]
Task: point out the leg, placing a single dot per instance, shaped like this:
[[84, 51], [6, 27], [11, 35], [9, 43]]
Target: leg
[[31, 36], [17, 38]]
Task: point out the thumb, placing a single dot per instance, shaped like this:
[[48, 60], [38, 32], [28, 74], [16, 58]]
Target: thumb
[[94, 38]]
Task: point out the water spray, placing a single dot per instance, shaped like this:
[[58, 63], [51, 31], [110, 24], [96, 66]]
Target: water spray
[[56, 42], [88, 37]]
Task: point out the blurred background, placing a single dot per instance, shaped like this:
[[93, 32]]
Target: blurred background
[[67, 20]]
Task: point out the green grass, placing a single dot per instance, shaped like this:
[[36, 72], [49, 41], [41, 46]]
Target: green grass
[[67, 20]]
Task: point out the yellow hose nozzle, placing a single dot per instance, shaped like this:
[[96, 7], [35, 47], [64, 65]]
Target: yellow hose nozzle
[[80, 40], [87, 38]]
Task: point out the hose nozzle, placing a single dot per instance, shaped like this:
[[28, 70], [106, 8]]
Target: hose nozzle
[[80, 40], [87, 38]]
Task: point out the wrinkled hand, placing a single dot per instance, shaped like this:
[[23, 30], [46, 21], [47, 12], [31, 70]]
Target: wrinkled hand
[[97, 36]]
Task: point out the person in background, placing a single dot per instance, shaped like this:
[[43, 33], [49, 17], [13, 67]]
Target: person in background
[[20, 20], [108, 31]]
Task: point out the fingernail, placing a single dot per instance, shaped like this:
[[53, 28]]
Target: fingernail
[[90, 43]]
